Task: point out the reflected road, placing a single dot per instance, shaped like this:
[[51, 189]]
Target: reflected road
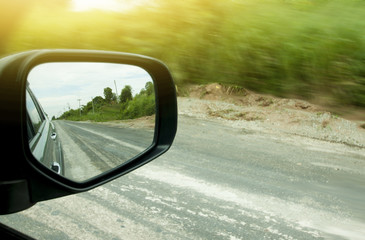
[[90, 149]]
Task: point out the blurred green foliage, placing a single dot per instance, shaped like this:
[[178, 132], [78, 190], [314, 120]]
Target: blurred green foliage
[[313, 49]]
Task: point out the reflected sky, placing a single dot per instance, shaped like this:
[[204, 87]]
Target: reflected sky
[[58, 86]]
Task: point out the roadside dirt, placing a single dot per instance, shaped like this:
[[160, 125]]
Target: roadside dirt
[[241, 108]]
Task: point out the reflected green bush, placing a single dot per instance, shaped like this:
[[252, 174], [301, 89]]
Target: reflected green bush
[[142, 104]]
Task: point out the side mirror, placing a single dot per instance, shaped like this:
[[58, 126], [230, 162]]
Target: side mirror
[[76, 119]]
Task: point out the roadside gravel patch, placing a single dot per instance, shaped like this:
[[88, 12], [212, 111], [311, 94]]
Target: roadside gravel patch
[[284, 116]]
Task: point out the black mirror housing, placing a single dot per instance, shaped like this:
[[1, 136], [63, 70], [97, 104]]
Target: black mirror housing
[[23, 180]]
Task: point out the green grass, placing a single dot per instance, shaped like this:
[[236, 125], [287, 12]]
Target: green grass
[[307, 50], [105, 113]]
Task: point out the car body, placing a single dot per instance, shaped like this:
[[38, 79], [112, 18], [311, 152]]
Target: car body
[[42, 135]]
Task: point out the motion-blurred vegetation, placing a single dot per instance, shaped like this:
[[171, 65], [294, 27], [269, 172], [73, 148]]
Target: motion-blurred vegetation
[[313, 49]]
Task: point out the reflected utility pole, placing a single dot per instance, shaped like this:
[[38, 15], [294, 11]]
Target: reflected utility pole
[[116, 90], [79, 106], [92, 101]]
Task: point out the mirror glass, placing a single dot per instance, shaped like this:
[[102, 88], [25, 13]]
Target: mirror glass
[[85, 118]]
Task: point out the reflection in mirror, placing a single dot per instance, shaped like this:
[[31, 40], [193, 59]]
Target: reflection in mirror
[[85, 118]]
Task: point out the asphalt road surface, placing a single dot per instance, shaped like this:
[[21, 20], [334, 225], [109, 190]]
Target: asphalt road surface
[[218, 182], [91, 149]]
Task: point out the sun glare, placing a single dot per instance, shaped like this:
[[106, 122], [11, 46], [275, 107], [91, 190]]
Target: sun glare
[[105, 5]]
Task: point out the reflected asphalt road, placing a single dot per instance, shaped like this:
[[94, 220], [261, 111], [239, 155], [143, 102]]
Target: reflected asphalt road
[[218, 182], [90, 149]]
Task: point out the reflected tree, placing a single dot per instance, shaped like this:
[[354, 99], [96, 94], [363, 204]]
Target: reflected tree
[[108, 94], [126, 94]]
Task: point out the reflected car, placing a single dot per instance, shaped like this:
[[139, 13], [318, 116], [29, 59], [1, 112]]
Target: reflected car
[[42, 135]]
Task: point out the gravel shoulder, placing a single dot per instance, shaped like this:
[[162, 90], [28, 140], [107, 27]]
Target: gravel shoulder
[[243, 109]]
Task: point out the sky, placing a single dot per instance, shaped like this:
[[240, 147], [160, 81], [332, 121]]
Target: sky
[[106, 5], [58, 86]]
